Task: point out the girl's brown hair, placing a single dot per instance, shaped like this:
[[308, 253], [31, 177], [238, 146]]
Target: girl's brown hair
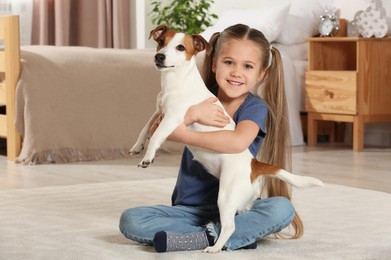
[[275, 148]]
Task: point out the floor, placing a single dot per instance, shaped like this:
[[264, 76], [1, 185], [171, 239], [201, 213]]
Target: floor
[[336, 164]]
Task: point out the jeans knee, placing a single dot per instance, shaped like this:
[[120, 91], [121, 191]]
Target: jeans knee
[[128, 223], [284, 209], [280, 208], [134, 224]]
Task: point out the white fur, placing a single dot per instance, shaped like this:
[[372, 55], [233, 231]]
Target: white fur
[[182, 86]]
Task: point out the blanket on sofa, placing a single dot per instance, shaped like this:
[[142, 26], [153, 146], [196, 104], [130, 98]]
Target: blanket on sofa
[[87, 110]]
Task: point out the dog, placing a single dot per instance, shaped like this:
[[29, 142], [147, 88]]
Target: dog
[[181, 87]]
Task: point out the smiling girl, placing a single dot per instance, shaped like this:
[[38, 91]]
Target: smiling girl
[[245, 73]]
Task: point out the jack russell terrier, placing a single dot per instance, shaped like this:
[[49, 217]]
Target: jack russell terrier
[[182, 87]]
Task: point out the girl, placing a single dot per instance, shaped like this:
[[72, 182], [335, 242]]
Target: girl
[[242, 67]]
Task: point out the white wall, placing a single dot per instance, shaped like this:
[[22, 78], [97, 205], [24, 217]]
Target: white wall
[[348, 9], [137, 24]]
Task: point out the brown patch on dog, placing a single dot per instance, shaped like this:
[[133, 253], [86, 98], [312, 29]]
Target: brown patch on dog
[[162, 35], [189, 46], [201, 44], [166, 38], [195, 44], [259, 168]]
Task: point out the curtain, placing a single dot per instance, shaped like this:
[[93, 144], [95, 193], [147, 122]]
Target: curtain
[[93, 23]]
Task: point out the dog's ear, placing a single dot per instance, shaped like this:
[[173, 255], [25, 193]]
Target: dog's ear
[[201, 44], [158, 32]]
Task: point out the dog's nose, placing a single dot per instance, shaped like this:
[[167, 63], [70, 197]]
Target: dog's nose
[[160, 57]]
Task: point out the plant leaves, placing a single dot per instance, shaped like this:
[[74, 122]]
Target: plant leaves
[[189, 16]]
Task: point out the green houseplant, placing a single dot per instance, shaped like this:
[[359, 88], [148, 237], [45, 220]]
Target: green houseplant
[[189, 16]]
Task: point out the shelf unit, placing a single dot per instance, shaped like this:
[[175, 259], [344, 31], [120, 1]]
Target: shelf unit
[[348, 80], [9, 76]]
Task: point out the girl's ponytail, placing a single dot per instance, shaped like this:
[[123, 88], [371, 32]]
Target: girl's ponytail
[[277, 140], [207, 71], [276, 147]]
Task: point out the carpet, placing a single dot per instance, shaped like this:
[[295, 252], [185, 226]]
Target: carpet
[[81, 222]]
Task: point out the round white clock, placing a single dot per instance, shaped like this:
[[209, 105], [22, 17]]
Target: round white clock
[[328, 25]]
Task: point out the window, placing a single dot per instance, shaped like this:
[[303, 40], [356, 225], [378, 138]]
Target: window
[[23, 8]]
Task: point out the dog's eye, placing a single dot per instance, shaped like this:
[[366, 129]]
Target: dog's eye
[[160, 42], [180, 47]]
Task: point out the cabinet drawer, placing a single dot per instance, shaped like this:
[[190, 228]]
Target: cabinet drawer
[[331, 92]]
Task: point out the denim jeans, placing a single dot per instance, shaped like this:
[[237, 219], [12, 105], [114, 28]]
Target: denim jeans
[[267, 216]]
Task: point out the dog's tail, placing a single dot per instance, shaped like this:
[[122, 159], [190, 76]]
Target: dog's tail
[[301, 182]]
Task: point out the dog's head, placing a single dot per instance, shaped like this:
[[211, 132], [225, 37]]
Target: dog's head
[[175, 49]]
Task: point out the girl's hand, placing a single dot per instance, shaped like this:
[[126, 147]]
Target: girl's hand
[[206, 113]]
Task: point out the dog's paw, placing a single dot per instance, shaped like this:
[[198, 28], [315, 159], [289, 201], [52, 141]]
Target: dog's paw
[[136, 149], [212, 249], [145, 163]]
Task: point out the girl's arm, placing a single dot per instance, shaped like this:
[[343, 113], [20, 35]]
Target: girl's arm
[[205, 113], [223, 141]]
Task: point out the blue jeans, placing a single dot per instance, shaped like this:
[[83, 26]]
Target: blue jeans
[[267, 216]]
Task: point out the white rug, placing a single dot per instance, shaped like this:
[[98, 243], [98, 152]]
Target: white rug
[[81, 222]]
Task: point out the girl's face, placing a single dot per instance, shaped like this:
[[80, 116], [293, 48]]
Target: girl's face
[[238, 68]]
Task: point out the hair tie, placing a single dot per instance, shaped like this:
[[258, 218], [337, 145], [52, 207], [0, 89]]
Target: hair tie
[[213, 39], [215, 36], [270, 56]]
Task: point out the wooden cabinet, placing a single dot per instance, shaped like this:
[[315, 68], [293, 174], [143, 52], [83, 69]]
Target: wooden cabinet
[[348, 80]]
